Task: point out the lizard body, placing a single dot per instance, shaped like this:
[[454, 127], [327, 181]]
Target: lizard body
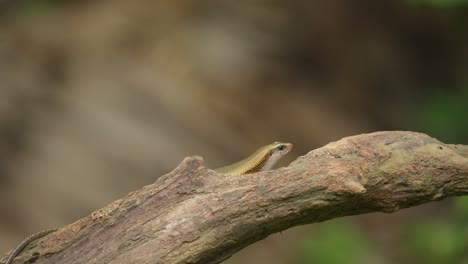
[[262, 159], [23, 244]]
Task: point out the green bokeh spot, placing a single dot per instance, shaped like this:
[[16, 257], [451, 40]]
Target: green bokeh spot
[[437, 241], [447, 3], [443, 116], [36, 6], [461, 206], [335, 242]]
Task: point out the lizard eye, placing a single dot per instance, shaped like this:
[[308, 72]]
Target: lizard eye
[[280, 147]]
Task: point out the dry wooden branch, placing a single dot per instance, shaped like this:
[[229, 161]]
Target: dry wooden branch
[[194, 215]]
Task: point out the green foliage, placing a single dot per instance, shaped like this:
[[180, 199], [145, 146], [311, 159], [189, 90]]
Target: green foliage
[[447, 3], [335, 241], [39, 3], [461, 208], [440, 240], [32, 6], [437, 241], [426, 240], [443, 116]]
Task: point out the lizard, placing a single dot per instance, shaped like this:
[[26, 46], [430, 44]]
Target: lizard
[[262, 159], [23, 244]]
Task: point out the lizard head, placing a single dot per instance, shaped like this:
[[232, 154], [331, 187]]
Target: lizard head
[[276, 151], [280, 148]]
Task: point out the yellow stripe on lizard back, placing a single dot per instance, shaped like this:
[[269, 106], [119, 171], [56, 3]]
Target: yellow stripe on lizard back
[[262, 159]]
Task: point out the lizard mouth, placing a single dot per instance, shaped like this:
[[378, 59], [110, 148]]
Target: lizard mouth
[[288, 147]]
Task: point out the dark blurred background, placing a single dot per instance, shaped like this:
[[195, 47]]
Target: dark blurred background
[[99, 98]]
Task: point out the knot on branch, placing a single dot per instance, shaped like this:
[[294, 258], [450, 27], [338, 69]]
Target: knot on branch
[[354, 187]]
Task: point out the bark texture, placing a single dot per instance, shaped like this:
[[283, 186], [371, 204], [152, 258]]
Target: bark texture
[[194, 215]]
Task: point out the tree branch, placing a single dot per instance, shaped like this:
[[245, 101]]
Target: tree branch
[[194, 215]]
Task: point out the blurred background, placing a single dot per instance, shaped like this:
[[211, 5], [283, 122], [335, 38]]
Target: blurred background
[[99, 98]]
